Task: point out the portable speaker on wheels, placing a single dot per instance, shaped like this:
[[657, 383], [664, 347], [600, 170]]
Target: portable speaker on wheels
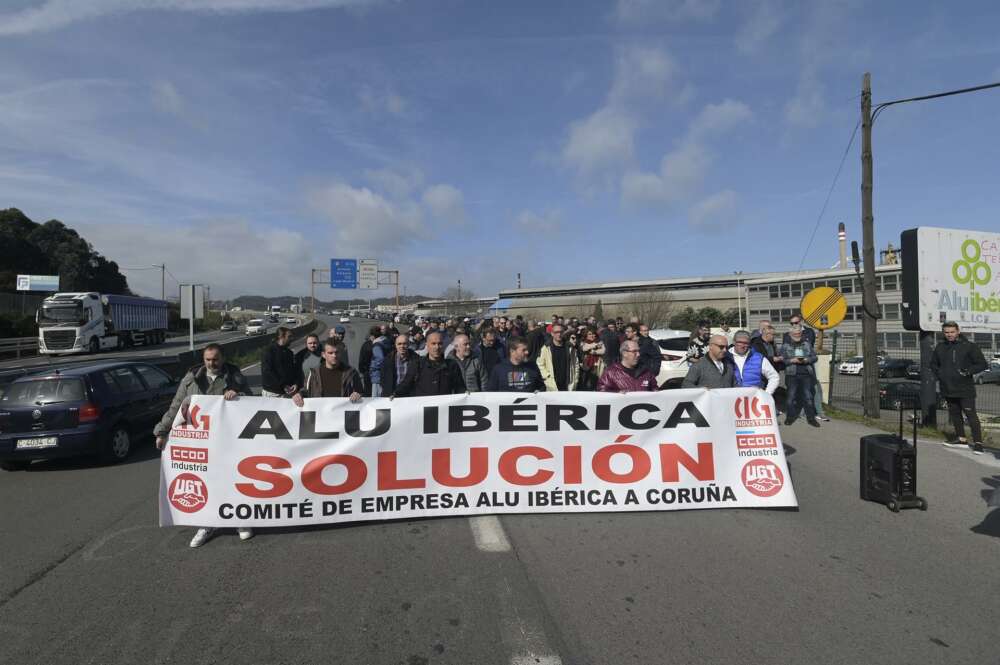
[[889, 469]]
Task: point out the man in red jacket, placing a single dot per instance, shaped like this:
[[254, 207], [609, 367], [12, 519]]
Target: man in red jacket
[[628, 375]]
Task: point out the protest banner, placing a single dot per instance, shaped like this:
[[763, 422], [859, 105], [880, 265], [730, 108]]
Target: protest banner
[[265, 462]]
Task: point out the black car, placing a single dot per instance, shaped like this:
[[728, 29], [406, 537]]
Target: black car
[[894, 367], [896, 395], [81, 410]]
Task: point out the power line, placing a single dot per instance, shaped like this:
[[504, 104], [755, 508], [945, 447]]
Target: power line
[[879, 107], [829, 194]]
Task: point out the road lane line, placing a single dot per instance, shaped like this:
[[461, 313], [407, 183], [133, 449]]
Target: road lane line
[[489, 533], [522, 635]]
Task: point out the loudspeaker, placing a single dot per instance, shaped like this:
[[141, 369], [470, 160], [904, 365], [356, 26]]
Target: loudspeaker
[[888, 469]]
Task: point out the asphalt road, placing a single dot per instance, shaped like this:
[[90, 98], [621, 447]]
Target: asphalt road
[[86, 576]]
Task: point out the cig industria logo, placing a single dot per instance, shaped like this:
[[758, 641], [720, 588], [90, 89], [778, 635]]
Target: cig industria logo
[[972, 269]]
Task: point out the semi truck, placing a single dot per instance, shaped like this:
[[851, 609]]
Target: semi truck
[[93, 322]]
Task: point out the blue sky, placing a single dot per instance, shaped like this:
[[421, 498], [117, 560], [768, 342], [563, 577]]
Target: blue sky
[[244, 141]]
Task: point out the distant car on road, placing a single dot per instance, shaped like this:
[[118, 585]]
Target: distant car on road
[[81, 410], [291, 319], [228, 326], [345, 319], [852, 365], [256, 327], [893, 367], [989, 375], [673, 351], [904, 395]]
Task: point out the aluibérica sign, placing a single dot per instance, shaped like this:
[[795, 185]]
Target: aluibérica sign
[[266, 462]]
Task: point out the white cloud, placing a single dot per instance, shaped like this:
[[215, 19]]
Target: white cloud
[[715, 211], [670, 10], [382, 101], [397, 184], [54, 14], [446, 203], [642, 72], [547, 222], [271, 261], [763, 22], [366, 221], [683, 170], [719, 118], [166, 98], [601, 141], [806, 108]]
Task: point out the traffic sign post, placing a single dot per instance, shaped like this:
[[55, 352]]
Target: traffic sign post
[[367, 274], [823, 308]]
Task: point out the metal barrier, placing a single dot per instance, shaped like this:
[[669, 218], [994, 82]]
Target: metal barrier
[[17, 346]]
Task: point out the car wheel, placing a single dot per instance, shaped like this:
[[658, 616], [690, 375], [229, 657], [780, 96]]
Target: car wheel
[[95, 345], [117, 446], [14, 465]]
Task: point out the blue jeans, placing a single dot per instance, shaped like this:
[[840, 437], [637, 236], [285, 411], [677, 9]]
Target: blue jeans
[[800, 396]]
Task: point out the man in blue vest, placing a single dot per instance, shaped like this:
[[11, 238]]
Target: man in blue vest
[[753, 370]]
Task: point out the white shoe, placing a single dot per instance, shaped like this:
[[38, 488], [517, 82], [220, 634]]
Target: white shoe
[[245, 533], [201, 537]]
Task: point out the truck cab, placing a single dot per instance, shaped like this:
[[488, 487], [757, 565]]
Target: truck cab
[[74, 322]]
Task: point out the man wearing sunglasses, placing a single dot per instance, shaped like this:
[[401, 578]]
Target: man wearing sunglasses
[[715, 369]]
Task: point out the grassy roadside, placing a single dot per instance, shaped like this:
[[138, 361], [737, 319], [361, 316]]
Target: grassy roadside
[[990, 439], [246, 359]]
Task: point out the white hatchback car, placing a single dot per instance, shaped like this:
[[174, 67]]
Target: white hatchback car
[[255, 327], [673, 349], [852, 365]]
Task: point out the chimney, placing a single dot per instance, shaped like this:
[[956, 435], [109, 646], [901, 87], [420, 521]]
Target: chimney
[[842, 238]]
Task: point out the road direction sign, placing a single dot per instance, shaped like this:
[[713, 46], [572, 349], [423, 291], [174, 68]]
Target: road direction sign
[[38, 282], [824, 307], [343, 273], [368, 274]]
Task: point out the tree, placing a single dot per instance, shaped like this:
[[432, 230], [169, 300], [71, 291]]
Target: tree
[[599, 311], [53, 248], [652, 307]]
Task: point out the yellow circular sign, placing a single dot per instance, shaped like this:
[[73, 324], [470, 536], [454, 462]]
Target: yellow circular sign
[[824, 307]]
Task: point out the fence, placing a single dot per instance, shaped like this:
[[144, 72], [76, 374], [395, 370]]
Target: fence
[[21, 303], [899, 385]]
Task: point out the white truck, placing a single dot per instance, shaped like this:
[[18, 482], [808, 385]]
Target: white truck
[[92, 322]]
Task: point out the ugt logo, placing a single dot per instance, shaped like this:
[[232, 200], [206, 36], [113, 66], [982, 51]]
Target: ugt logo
[[971, 269], [188, 493], [750, 412], [195, 426]]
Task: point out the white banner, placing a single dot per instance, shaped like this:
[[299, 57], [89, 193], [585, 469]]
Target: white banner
[[263, 462]]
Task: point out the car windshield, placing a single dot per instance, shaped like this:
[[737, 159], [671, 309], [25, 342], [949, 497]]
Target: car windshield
[[43, 391], [61, 313]]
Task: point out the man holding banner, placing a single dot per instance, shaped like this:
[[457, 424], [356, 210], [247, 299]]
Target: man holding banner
[[334, 378]]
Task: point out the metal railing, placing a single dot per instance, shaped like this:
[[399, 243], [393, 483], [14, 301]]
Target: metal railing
[[16, 346]]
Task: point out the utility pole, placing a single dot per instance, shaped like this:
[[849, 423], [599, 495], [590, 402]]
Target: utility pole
[[458, 300], [519, 280], [869, 322], [163, 280]]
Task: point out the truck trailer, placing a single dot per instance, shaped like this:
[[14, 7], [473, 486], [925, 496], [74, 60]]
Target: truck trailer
[[92, 322]]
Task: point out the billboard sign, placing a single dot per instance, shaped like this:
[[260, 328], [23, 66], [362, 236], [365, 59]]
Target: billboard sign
[[951, 275], [38, 283], [192, 301], [367, 274], [343, 273]]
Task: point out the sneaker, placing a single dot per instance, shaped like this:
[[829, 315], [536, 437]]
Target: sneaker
[[245, 533], [977, 448], [201, 537], [823, 418], [955, 443], [813, 422]]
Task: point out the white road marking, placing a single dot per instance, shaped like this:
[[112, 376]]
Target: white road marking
[[489, 533], [524, 637]]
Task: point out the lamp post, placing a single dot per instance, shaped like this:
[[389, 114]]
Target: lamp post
[[739, 297]]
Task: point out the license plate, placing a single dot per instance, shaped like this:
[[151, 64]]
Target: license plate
[[40, 442]]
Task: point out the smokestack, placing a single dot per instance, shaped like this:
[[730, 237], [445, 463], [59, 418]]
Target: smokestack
[[842, 238]]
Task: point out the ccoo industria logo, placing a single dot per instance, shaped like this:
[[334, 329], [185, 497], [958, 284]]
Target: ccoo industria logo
[[195, 427], [750, 412]]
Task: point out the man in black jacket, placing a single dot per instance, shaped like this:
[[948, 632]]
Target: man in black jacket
[[365, 359], [398, 364], [517, 374], [278, 375], [434, 374], [649, 351], [955, 362]]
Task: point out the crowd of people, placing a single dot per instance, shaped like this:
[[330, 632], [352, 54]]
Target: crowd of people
[[513, 355]]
